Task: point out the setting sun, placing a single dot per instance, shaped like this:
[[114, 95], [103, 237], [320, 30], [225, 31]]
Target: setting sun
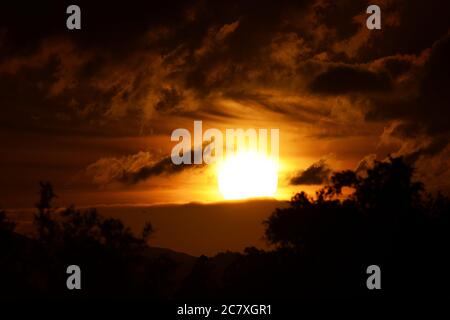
[[247, 175]]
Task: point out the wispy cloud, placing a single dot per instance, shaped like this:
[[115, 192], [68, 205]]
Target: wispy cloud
[[315, 174]]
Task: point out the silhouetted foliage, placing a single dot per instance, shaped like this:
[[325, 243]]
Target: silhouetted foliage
[[6, 225], [114, 261], [324, 245], [43, 220]]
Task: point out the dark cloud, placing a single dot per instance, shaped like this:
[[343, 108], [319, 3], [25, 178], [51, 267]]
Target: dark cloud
[[132, 62], [346, 79], [397, 66], [170, 99], [163, 166], [132, 169], [430, 149], [315, 174], [365, 164], [408, 27], [112, 26], [435, 86], [422, 114]]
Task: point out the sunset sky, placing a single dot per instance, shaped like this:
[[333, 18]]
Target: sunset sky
[[92, 110]]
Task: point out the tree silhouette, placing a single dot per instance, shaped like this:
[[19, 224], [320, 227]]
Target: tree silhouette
[[44, 222], [323, 245], [114, 260], [6, 226]]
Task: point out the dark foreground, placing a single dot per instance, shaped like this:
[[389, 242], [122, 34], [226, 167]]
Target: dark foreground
[[322, 249]]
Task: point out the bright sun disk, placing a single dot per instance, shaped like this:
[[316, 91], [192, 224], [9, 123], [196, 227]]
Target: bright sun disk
[[247, 175]]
